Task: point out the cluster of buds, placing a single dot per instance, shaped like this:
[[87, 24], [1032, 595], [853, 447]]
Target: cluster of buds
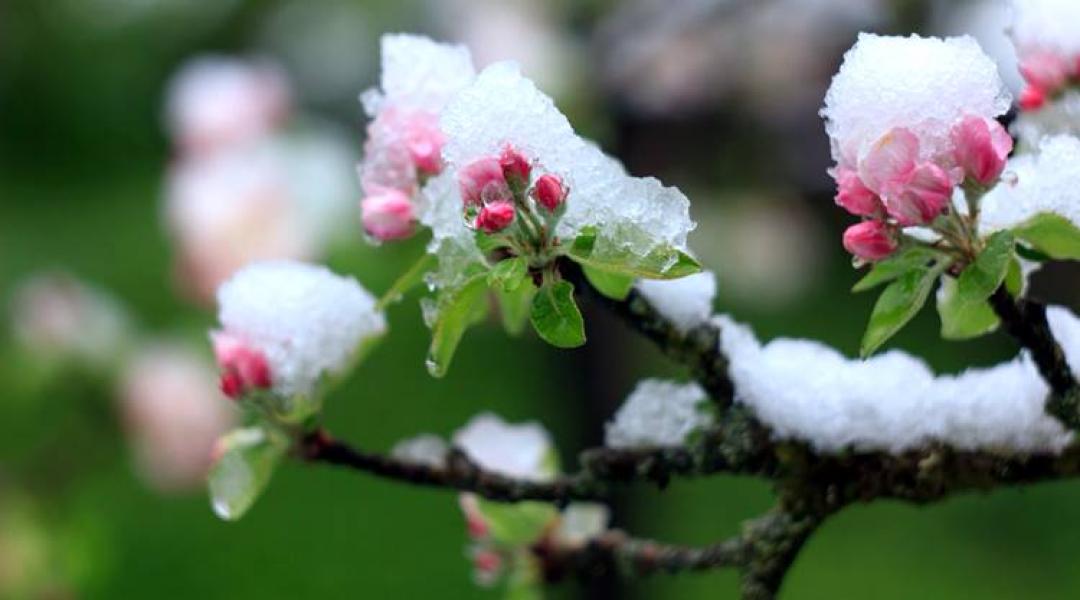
[[488, 559], [404, 149], [243, 368], [500, 196], [1046, 73], [891, 187]]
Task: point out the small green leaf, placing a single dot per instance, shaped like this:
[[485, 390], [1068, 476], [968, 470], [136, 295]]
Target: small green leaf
[[1052, 235], [613, 285], [243, 468], [408, 280], [961, 319], [895, 266], [508, 274], [985, 275], [1014, 279], [962, 303], [517, 524], [664, 262], [515, 306], [900, 301], [457, 310], [556, 317]]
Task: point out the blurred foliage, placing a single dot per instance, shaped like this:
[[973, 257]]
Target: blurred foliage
[[81, 160]]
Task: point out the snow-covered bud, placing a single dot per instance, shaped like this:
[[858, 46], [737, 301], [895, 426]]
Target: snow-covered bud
[[173, 412], [243, 368], [921, 197], [515, 167], [869, 240], [549, 192], [424, 141], [482, 182], [495, 217], [387, 215], [981, 147], [890, 160], [523, 450], [304, 320], [906, 93], [853, 195]]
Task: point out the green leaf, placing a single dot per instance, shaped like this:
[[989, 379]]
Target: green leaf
[[895, 266], [508, 274], [664, 262], [515, 306], [900, 301], [985, 275], [613, 285], [408, 280], [457, 310], [1014, 279], [517, 524], [1052, 235], [960, 319], [962, 304], [524, 581], [556, 317], [241, 472]]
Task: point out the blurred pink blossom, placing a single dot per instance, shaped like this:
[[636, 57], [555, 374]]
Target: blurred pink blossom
[[173, 413]]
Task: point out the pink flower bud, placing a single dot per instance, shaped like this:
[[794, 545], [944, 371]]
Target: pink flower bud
[[1032, 98], [487, 561], [242, 368], [475, 523], [921, 197], [487, 564], [495, 217], [1044, 70], [980, 147], [891, 159], [482, 181], [869, 240], [424, 141], [515, 166], [549, 192], [853, 195], [387, 215]]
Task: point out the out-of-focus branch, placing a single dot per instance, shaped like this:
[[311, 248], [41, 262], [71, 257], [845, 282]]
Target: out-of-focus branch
[[1025, 321], [600, 467], [762, 553]]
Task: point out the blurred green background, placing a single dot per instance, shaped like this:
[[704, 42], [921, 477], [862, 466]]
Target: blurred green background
[[717, 99]]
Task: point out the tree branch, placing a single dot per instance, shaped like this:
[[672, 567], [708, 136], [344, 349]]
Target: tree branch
[[698, 349], [812, 486], [1025, 321]]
